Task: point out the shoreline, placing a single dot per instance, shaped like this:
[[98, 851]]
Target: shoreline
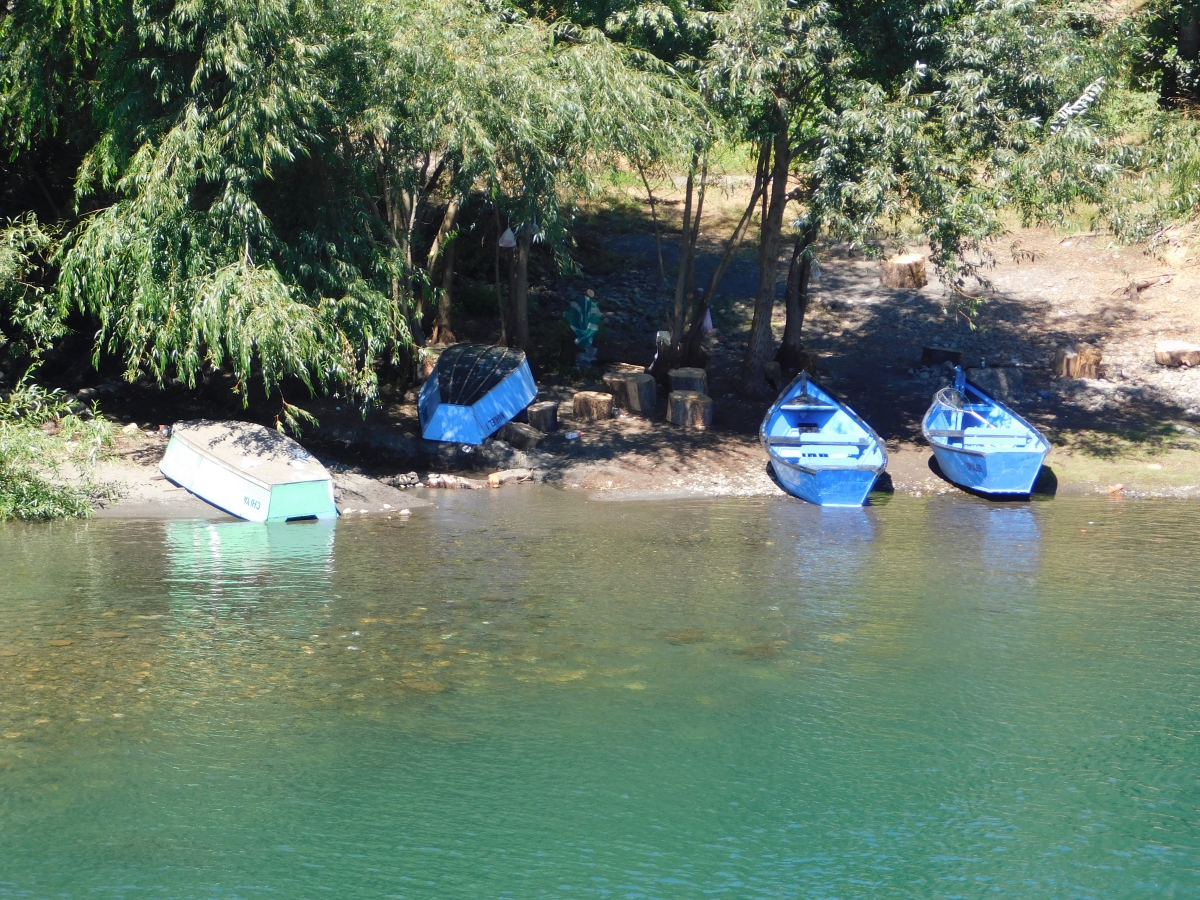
[[710, 467]]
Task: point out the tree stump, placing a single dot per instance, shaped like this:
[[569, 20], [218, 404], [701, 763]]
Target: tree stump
[[1077, 362], [695, 380], [690, 409], [1176, 353], [429, 360], [543, 416], [520, 435], [634, 392], [906, 271], [591, 406], [625, 369]]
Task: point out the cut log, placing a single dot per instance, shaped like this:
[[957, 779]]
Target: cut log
[[1082, 361], [689, 379], [625, 369], [634, 392], [520, 435], [1176, 353], [690, 409], [591, 406], [935, 356], [906, 271], [543, 416], [510, 476], [428, 360]]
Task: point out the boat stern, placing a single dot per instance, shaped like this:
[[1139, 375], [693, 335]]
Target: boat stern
[[827, 487], [1006, 473]]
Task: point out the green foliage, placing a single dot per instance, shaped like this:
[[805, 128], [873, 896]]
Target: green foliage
[[258, 174], [39, 431], [31, 324]]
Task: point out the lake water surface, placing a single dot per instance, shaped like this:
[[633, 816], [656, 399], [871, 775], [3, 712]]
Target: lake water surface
[[526, 695]]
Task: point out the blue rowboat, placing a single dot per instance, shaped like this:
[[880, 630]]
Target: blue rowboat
[[980, 444], [473, 390], [820, 450]]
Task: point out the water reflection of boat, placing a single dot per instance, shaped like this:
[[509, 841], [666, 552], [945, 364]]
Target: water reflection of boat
[[831, 549], [1000, 539], [820, 450], [226, 556]]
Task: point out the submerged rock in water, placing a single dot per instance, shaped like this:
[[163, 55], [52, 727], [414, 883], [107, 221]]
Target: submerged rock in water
[[765, 650]]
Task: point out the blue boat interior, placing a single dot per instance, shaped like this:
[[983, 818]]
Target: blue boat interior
[[963, 417], [810, 429]]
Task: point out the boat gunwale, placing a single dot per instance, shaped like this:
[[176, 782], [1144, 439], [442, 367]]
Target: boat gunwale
[[775, 458], [942, 443], [242, 472]]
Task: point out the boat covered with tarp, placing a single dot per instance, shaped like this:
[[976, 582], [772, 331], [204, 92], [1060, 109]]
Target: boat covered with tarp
[[980, 444], [474, 390], [249, 471], [820, 450]]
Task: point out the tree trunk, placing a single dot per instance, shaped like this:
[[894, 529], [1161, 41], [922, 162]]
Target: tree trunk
[[499, 297], [662, 268], [443, 251], [791, 354], [397, 233], [689, 409], [760, 348], [441, 328], [519, 297], [675, 314], [692, 354]]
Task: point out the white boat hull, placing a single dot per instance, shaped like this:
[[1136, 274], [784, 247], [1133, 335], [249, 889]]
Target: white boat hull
[[239, 493]]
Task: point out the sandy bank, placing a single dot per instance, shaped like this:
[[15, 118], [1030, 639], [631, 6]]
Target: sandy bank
[[633, 459]]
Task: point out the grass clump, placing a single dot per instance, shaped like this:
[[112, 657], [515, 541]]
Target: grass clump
[[40, 432]]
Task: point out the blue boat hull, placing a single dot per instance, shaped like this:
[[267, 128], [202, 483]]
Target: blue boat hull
[[820, 450], [474, 424], [980, 444], [992, 473], [826, 487]]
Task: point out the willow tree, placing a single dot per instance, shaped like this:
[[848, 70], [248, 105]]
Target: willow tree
[[252, 180]]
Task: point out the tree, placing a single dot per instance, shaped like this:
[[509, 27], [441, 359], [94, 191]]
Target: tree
[[885, 119], [253, 179]]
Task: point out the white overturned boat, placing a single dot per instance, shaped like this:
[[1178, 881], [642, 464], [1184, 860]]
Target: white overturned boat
[[249, 471]]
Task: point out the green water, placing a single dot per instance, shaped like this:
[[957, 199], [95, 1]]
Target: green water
[[552, 698]]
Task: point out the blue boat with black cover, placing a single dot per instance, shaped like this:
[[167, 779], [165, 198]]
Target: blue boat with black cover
[[473, 391], [820, 450], [980, 444]]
